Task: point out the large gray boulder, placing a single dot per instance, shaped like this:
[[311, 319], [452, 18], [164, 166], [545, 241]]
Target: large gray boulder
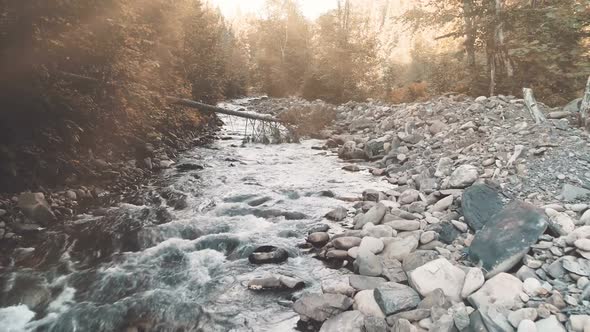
[[35, 207], [479, 204], [438, 274], [395, 298], [505, 239]]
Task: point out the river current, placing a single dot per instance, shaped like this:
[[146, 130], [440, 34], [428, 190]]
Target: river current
[[177, 259]]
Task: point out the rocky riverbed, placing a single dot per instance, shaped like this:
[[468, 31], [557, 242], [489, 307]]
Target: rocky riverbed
[[456, 214]]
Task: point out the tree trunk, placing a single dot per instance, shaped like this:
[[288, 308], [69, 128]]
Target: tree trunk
[[470, 33], [214, 109], [585, 107], [498, 58], [532, 106]]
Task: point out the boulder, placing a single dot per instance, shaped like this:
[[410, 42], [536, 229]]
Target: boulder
[[350, 151], [443, 204], [409, 196], [364, 282], [320, 307], [474, 279], [338, 286], [398, 248], [418, 258], [502, 290], [368, 264], [371, 244], [550, 324], [364, 301], [570, 193], [479, 204], [436, 274], [318, 239], [35, 207], [374, 215], [346, 242], [463, 176], [268, 254], [349, 321], [559, 222], [338, 214], [392, 270], [506, 238], [395, 298], [375, 324]]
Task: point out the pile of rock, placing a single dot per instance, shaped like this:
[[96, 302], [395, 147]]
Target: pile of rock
[[486, 226]]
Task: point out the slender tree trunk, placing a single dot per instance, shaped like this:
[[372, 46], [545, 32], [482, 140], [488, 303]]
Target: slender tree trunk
[[469, 33], [498, 58], [531, 104], [585, 107]]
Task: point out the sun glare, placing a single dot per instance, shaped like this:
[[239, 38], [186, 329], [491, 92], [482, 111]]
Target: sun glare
[[310, 8]]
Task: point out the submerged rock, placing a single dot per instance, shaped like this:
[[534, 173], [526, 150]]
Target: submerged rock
[[268, 254], [35, 207], [505, 239]]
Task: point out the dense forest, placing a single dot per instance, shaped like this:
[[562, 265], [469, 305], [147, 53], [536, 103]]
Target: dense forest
[[79, 75]]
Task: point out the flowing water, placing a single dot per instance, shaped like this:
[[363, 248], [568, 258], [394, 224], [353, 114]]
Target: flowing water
[[177, 259]]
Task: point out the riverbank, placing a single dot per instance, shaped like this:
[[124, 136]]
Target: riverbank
[[84, 181], [485, 225]]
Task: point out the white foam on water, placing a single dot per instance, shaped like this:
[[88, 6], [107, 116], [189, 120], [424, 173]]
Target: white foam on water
[[15, 318]]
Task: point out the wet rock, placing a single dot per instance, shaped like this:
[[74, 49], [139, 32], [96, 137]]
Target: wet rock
[[320, 307], [398, 248], [437, 274], [351, 168], [364, 301], [505, 239], [268, 255], [479, 204], [371, 195], [364, 282], [349, 321], [374, 215], [318, 239], [35, 207], [474, 279], [395, 298], [463, 176], [550, 324], [264, 283], [29, 289], [185, 167], [338, 214], [418, 258], [350, 151], [501, 290], [346, 242]]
